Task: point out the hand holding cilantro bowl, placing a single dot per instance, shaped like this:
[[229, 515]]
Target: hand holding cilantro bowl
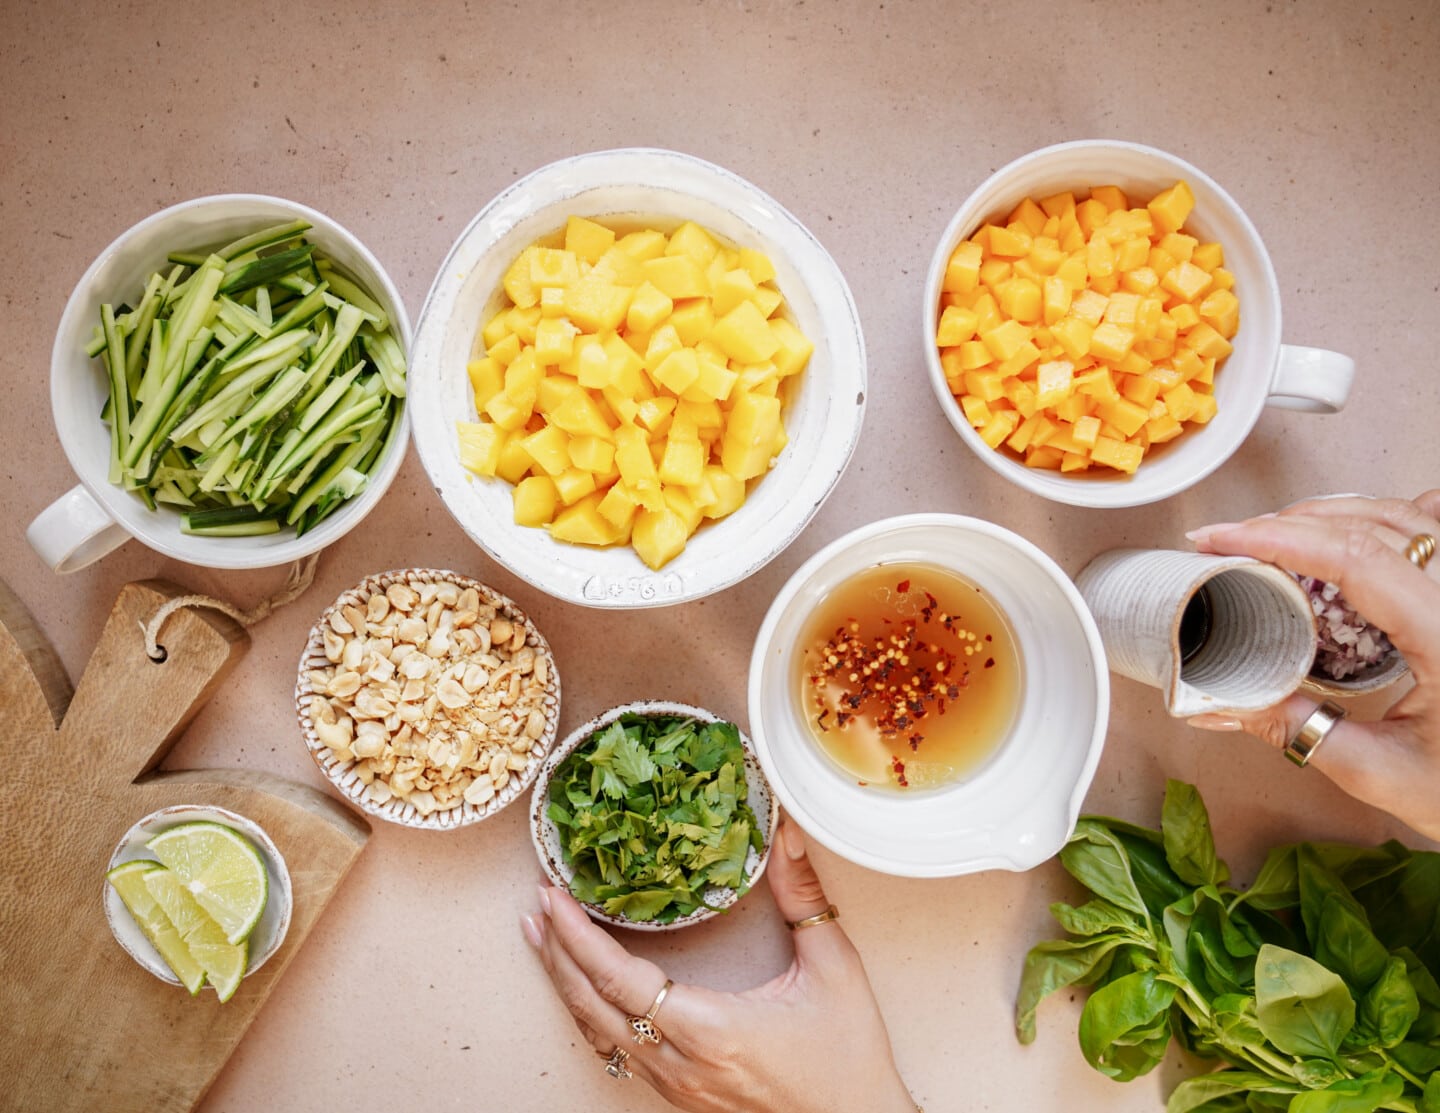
[[1358, 544], [654, 815]]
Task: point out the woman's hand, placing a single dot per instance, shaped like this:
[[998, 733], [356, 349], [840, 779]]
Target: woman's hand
[[1358, 544], [810, 1041]]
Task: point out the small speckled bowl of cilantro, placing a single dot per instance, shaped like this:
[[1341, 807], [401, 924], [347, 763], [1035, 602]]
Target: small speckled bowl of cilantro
[[655, 815]]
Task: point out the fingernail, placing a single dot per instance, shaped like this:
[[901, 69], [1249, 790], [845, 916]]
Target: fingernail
[[1215, 722], [544, 892], [531, 930], [794, 841], [1205, 532]]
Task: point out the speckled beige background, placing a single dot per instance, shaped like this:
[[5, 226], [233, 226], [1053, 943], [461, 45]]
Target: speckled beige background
[[871, 122]]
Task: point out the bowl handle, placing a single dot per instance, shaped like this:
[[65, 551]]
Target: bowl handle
[[1312, 380], [74, 531]]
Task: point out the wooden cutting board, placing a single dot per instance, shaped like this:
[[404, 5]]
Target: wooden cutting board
[[85, 1027]]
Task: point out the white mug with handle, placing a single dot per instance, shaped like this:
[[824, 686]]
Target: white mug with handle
[[1261, 371], [96, 516]]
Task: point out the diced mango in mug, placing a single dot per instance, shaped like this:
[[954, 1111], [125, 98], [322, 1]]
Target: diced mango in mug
[[1125, 415], [1116, 454], [1206, 342], [1073, 407], [1000, 426], [1205, 408], [977, 412], [1171, 207], [1053, 382], [1111, 341], [522, 322], [573, 484], [956, 326], [1221, 309], [962, 273], [1043, 457], [551, 266]]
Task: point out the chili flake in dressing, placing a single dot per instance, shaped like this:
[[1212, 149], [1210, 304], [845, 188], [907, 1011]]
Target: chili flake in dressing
[[910, 676]]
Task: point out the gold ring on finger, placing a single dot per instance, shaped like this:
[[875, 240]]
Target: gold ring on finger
[[644, 1028], [615, 1063], [831, 913], [1420, 549]]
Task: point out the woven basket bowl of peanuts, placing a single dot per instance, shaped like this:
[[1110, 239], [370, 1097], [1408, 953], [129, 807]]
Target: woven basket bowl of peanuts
[[427, 698]]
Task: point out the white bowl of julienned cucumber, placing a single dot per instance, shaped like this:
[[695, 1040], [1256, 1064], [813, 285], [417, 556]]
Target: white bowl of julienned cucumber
[[258, 442]]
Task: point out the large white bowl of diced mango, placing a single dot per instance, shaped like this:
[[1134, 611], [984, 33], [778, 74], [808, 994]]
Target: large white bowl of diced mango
[[636, 378]]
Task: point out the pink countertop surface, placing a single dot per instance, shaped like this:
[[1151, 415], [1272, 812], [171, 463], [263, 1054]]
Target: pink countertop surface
[[871, 122]]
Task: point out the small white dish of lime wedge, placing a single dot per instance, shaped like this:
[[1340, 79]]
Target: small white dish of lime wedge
[[235, 895]]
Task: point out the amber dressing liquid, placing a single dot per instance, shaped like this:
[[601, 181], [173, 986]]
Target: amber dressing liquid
[[909, 676]]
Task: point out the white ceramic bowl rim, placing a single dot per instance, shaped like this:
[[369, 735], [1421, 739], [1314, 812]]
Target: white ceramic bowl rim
[[545, 837], [1037, 817], [823, 417], [159, 529], [1244, 381]]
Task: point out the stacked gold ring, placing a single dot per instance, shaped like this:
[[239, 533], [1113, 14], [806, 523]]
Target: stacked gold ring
[[1420, 549]]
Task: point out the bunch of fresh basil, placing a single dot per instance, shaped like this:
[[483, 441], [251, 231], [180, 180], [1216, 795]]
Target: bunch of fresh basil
[[1317, 984]]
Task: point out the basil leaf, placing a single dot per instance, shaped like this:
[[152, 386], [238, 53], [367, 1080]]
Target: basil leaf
[[1316, 1074], [1390, 1006], [1056, 964], [1095, 858], [1430, 1099], [1277, 885], [1124, 1027], [1404, 907], [1352, 1095], [1189, 843], [1096, 917], [1302, 1007], [1338, 928]]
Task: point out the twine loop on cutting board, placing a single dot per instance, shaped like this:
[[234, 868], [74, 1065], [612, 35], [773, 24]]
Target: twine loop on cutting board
[[300, 577]]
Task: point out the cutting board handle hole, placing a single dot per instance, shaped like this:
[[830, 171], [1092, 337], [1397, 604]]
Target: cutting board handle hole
[[159, 656]]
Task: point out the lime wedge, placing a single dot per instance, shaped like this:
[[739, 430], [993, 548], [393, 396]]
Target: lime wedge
[[221, 869], [223, 962], [128, 881]]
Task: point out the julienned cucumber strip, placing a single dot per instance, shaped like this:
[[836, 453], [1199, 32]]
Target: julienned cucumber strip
[[252, 380]]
